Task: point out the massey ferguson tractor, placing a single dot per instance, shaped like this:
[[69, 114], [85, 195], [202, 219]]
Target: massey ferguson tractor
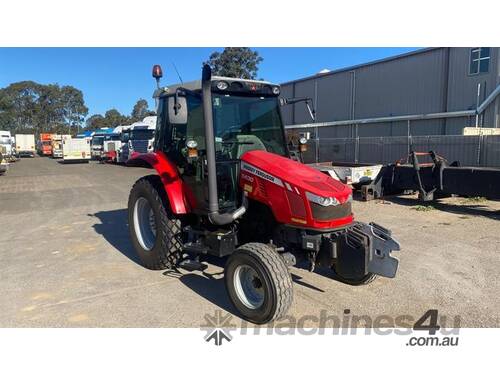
[[225, 186]]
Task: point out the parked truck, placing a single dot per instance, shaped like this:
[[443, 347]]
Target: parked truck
[[45, 144], [76, 150], [124, 152], [142, 136], [57, 151], [8, 141], [4, 164], [112, 145], [97, 143], [25, 145]]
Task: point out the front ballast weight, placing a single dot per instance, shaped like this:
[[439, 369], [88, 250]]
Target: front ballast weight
[[355, 254]]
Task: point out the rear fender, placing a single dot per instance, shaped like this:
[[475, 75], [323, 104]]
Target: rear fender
[[177, 192]]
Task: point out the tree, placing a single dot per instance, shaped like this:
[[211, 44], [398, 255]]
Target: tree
[[73, 106], [140, 110], [95, 122], [237, 62], [114, 118], [33, 107]]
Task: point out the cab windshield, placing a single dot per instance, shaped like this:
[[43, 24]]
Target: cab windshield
[[141, 134], [248, 122], [4, 140], [97, 141]]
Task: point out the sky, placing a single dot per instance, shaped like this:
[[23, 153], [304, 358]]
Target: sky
[[118, 77]]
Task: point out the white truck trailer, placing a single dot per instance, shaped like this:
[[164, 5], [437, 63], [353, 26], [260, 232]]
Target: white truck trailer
[[25, 145], [76, 150]]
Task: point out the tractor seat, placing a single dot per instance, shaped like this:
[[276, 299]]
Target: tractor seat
[[246, 142]]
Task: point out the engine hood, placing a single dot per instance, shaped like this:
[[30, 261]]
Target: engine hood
[[297, 175]]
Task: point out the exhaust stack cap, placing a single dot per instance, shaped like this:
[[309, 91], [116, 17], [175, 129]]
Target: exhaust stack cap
[[206, 74]]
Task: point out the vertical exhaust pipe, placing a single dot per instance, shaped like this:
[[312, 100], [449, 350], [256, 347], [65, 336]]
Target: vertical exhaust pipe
[[213, 197]]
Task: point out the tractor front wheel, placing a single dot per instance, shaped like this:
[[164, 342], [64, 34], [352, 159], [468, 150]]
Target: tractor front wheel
[[154, 230], [258, 283]]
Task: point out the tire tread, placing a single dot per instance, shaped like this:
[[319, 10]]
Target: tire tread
[[279, 275]]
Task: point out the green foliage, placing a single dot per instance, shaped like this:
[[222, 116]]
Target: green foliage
[[472, 200], [237, 62], [28, 106], [422, 208], [140, 110]]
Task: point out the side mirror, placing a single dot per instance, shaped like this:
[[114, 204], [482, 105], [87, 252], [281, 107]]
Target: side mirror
[[307, 101], [177, 110]]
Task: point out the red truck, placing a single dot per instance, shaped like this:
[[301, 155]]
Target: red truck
[[45, 144]]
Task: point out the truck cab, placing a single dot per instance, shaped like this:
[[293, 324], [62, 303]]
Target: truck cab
[[112, 144], [97, 143], [6, 141], [57, 147], [142, 135], [124, 151], [45, 144]]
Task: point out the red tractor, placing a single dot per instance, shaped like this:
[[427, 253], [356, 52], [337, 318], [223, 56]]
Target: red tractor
[[225, 186]]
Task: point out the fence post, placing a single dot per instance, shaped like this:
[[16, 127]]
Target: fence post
[[356, 150], [480, 140], [317, 146], [408, 138]]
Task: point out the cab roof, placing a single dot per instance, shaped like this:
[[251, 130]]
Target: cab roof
[[196, 85]]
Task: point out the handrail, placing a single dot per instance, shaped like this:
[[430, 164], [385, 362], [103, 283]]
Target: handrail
[[425, 116]]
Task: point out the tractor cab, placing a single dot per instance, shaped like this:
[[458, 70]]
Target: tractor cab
[[245, 117]]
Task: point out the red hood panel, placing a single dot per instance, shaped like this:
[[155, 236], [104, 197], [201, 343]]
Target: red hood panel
[[297, 174]]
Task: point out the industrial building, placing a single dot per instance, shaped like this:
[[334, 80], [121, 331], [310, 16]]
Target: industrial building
[[426, 81], [375, 112]]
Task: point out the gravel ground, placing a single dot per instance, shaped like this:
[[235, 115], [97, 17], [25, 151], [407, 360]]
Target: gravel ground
[[66, 260]]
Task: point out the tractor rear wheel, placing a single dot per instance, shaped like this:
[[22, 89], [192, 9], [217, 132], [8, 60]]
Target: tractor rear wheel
[[154, 229], [258, 283]]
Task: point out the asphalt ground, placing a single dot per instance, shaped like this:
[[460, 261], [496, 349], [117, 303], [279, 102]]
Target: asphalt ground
[[66, 260]]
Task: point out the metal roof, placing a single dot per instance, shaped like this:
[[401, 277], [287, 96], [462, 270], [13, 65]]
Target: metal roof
[[353, 67]]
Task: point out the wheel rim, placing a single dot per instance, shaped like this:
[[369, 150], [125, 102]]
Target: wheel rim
[[249, 287], [144, 224]]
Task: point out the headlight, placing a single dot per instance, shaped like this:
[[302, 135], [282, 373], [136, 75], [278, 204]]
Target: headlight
[[323, 201], [221, 85]]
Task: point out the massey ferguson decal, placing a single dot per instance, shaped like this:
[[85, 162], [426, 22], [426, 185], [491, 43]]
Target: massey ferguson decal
[[260, 173]]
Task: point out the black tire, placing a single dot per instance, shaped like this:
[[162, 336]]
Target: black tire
[[275, 282], [167, 248], [366, 279]]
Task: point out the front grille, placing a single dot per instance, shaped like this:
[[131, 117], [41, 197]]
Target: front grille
[[320, 212], [140, 146]]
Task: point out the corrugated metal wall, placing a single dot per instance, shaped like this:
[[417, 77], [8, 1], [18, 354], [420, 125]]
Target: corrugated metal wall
[[434, 80]]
